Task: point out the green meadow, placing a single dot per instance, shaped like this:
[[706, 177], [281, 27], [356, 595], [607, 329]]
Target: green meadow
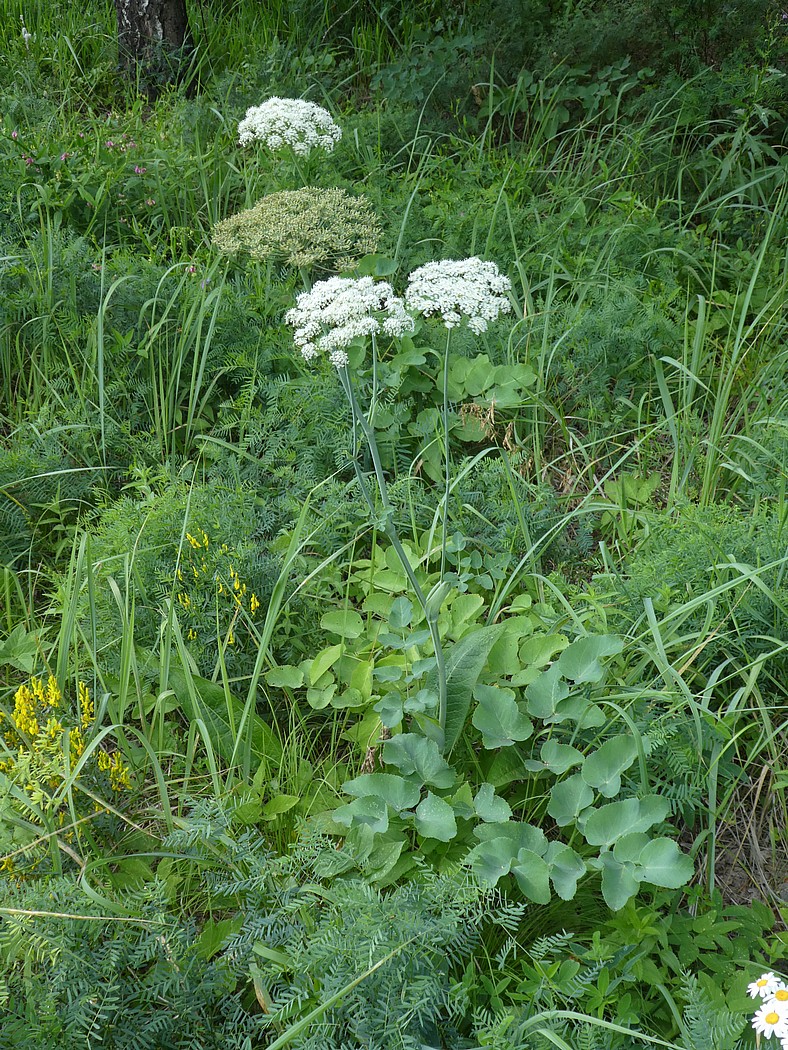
[[394, 528]]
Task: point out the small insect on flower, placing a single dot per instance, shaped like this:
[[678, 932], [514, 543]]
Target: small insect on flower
[[335, 312], [293, 122], [765, 987], [470, 289]]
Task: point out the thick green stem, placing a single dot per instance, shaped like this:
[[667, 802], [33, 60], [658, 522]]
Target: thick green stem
[[390, 530], [447, 486]]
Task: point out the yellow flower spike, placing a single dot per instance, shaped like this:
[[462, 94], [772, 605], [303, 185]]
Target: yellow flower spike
[[193, 542], [179, 574], [191, 634], [254, 603], [53, 694], [25, 711], [231, 638], [195, 573], [85, 706]]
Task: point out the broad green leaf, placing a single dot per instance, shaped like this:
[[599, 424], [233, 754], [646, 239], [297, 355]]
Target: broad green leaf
[[558, 758], [663, 864], [401, 613], [212, 706], [375, 265], [580, 661], [462, 802], [546, 693], [382, 859], [320, 698], [285, 677], [20, 649], [577, 709], [491, 860], [604, 826], [541, 648], [347, 623], [498, 718], [566, 867], [389, 707], [423, 700], [248, 812], [435, 819], [568, 798], [388, 672], [629, 847], [465, 607], [279, 804], [521, 836], [465, 662], [489, 807], [324, 660], [533, 876], [413, 754], [603, 768], [214, 934], [619, 881], [370, 810], [396, 791]]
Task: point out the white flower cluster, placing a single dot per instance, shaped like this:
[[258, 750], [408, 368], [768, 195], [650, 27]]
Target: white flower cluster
[[341, 309], [470, 288], [772, 1017], [293, 122]]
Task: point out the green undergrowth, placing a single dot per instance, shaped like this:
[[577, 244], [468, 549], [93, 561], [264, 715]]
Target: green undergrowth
[[435, 703]]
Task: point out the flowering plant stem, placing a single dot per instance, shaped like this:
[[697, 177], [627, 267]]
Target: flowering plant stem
[[387, 523], [447, 487]]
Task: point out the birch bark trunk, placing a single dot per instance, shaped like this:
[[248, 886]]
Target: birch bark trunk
[[154, 42]]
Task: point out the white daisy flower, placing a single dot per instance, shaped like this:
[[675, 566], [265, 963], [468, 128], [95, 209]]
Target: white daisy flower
[[470, 289], [293, 122], [765, 987], [771, 1019], [337, 311]]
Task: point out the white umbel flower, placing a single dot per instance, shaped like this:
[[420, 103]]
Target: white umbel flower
[[293, 122], [771, 1019], [468, 288], [765, 987], [337, 311]]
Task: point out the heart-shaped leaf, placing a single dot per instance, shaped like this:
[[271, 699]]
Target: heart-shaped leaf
[[568, 798], [416, 755], [395, 791], [489, 807], [435, 819], [499, 719], [603, 768]]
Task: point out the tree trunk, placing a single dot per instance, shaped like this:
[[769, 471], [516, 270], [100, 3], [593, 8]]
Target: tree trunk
[[154, 42]]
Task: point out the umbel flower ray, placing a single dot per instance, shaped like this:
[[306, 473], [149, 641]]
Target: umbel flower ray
[[337, 311], [468, 288], [311, 228], [289, 122]]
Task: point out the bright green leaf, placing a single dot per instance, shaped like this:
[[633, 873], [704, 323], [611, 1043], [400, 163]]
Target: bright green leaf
[[603, 768], [568, 798], [533, 876], [414, 754], [435, 819], [489, 807], [498, 718], [663, 864], [604, 826], [396, 791], [580, 661]]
